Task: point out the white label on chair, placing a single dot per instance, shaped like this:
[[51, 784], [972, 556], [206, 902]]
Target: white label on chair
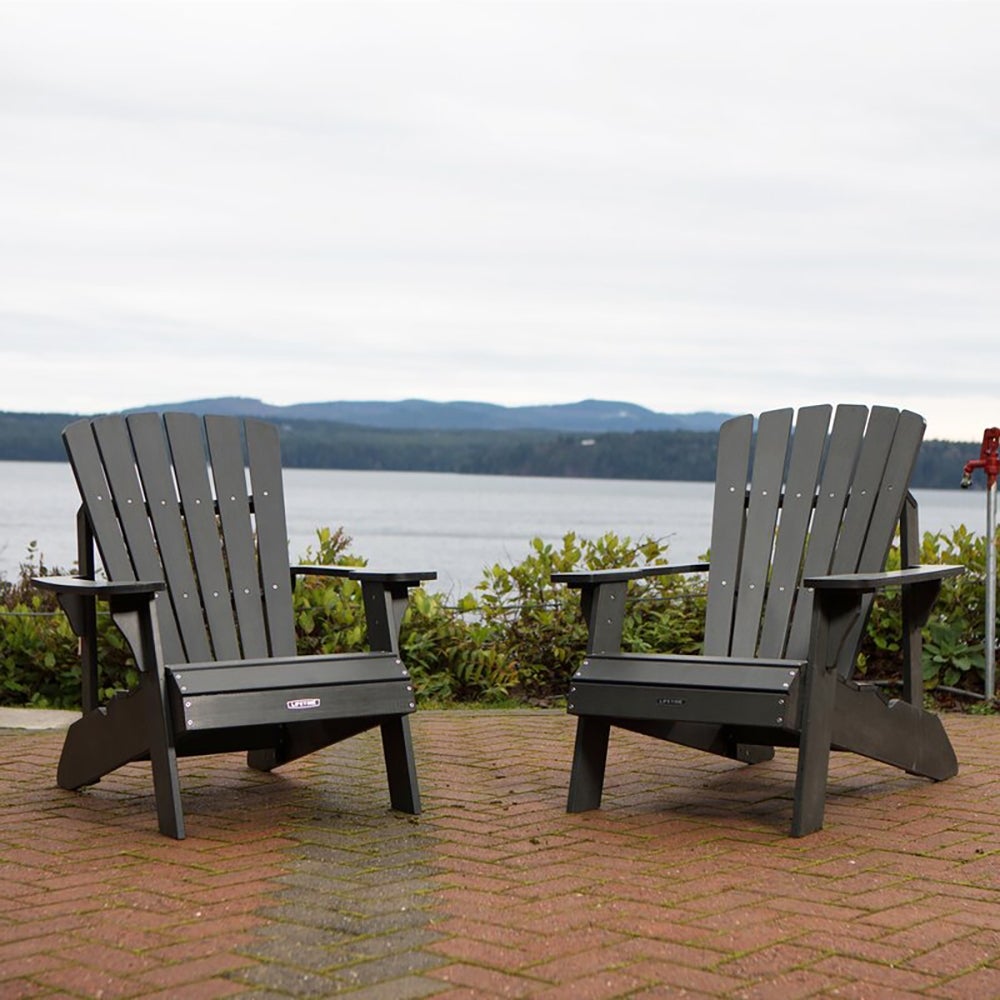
[[300, 703]]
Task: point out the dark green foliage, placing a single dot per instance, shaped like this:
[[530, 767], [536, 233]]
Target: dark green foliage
[[953, 638], [537, 626], [517, 636], [447, 654], [32, 437], [329, 612], [39, 664]]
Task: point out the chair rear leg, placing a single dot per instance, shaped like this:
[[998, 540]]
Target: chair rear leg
[[131, 727], [590, 757], [103, 740], [400, 766], [753, 753]]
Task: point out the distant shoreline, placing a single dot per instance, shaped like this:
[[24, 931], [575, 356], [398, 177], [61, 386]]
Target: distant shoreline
[[679, 455]]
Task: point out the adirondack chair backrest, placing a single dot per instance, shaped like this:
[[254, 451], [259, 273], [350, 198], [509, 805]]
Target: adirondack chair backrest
[[167, 499], [820, 500]]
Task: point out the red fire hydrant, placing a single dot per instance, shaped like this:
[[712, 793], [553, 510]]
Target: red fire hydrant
[[988, 461]]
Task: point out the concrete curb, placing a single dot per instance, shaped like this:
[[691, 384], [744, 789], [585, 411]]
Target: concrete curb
[[36, 718]]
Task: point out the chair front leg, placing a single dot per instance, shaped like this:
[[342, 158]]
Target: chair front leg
[[590, 756], [400, 767], [834, 612], [135, 616]]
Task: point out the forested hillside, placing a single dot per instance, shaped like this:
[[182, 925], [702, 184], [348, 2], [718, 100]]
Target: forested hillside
[[671, 455]]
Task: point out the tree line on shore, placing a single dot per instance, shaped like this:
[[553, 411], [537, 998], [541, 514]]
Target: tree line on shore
[[679, 455]]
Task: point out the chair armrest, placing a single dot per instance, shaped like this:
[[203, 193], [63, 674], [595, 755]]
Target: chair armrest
[[589, 578], [82, 587], [840, 605], [363, 574], [411, 579], [341, 571], [130, 600], [602, 599], [865, 582]]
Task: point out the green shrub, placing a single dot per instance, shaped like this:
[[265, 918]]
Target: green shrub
[[538, 628], [447, 655], [39, 664], [953, 654], [516, 636]]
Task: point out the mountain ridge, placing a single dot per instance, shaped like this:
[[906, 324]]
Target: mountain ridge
[[595, 416]]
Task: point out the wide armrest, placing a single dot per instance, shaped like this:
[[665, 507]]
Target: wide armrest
[[96, 588], [878, 581], [341, 571], [586, 578], [365, 575]]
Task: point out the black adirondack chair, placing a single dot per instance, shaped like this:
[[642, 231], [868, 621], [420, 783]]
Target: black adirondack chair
[[796, 557], [199, 583]]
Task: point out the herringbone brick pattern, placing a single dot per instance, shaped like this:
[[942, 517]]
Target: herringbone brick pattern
[[303, 883]]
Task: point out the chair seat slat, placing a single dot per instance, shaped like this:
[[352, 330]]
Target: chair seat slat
[[288, 671], [373, 701], [686, 671]]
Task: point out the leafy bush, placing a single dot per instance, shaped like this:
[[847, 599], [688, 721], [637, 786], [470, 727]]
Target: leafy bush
[[516, 636], [538, 628], [39, 664], [447, 655], [953, 654]]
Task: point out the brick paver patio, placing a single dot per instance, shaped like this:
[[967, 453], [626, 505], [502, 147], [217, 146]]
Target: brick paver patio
[[302, 883]]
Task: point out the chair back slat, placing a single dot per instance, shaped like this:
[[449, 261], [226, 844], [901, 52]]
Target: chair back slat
[[808, 446], [118, 460], [187, 452], [770, 453], [865, 489], [839, 462], [167, 498], [887, 510], [888, 507], [85, 461], [153, 460], [841, 490], [225, 447], [732, 468], [264, 457]]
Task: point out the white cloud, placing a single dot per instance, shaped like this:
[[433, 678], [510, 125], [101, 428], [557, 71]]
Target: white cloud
[[705, 206]]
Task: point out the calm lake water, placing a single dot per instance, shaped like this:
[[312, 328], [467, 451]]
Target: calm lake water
[[454, 524]]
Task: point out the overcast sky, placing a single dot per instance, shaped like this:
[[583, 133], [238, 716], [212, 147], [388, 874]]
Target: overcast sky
[[711, 206]]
